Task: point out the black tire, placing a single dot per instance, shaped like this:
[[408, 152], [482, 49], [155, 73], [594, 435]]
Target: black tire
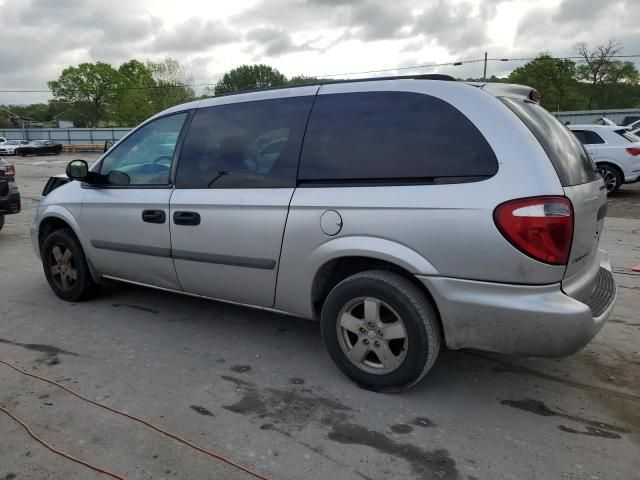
[[71, 290], [1, 221], [399, 296], [612, 177]]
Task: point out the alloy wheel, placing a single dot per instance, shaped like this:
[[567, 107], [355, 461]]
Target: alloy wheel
[[609, 177], [62, 267], [372, 335]]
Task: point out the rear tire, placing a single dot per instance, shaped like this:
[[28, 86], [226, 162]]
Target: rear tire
[[65, 267], [612, 177], [381, 330]]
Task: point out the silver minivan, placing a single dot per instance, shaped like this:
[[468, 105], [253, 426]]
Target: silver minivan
[[402, 213]]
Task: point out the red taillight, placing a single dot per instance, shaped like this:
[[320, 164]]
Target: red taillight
[[10, 171], [541, 227], [633, 151]]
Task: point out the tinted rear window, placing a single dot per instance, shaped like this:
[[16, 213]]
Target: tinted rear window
[[396, 136], [244, 145], [569, 158], [587, 137]]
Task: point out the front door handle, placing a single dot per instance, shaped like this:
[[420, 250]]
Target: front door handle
[[186, 218], [154, 216]]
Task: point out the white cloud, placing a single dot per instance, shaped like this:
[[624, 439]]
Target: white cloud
[[312, 37]]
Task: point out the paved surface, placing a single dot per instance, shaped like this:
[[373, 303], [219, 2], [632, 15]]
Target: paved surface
[[259, 387]]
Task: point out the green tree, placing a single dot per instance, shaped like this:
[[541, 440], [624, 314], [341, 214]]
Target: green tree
[[604, 75], [553, 78], [91, 88], [172, 84], [249, 77], [134, 103], [302, 79]]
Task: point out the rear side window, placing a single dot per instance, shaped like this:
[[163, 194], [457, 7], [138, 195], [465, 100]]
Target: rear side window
[[587, 137], [392, 136], [570, 160], [244, 145]]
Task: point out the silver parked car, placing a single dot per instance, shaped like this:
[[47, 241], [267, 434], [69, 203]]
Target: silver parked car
[[401, 213], [616, 151]]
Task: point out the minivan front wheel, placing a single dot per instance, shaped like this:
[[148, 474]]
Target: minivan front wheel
[[381, 330], [65, 267]]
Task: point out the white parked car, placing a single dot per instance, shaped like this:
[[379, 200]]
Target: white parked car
[[8, 148], [615, 150]]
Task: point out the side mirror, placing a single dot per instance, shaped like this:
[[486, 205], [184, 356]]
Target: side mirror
[[118, 178], [107, 145], [77, 170]]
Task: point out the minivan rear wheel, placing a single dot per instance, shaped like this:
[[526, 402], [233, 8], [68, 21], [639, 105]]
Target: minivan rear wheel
[[612, 177], [381, 330], [66, 268]]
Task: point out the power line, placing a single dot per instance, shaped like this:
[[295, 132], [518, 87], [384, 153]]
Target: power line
[[463, 62], [364, 72]]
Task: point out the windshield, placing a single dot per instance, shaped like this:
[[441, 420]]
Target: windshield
[[36, 142], [14, 142], [568, 156]]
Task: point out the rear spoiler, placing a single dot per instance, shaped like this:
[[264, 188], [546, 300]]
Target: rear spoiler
[[509, 90]]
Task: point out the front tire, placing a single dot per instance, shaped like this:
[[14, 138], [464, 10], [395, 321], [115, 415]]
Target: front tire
[[612, 177], [381, 330], [65, 267], [1, 221]]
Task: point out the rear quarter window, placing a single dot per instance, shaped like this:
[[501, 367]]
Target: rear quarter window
[[587, 137], [392, 137], [568, 156]]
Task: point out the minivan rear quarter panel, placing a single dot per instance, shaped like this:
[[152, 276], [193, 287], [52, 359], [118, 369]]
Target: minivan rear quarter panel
[[436, 221]]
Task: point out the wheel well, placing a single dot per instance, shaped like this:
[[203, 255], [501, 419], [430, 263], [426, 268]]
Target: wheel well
[[48, 226], [334, 271], [614, 166]]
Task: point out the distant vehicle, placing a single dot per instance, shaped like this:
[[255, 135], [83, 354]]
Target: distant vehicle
[[9, 195], [615, 150], [634, 127], [9, 147], [631, 119], [40, 147]]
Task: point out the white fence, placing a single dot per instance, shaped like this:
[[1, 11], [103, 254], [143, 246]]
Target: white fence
[[623, 116], [67, 136]]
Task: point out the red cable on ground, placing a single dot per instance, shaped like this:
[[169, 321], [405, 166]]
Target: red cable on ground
[[55, 450], [137, 419]]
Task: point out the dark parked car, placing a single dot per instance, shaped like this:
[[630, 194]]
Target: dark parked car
[[9, 195], [39, 147]]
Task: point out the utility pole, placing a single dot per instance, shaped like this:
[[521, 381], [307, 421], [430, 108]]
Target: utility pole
[[484, 74]]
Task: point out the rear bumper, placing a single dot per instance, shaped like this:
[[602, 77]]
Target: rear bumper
[[521, 319]]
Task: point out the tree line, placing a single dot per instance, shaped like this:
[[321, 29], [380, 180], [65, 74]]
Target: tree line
[[99, 94]]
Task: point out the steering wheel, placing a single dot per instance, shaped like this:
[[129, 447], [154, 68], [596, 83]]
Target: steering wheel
[[158, 160]]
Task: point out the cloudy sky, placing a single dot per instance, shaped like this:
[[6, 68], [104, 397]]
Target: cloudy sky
[[312, 37]]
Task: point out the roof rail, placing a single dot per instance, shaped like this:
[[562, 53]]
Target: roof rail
[[424, 76]]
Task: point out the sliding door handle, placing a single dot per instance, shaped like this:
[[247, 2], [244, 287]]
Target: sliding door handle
[[186, 218], [154, 216]]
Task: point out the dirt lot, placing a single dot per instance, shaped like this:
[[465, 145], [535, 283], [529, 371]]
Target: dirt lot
[[259, 388]]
